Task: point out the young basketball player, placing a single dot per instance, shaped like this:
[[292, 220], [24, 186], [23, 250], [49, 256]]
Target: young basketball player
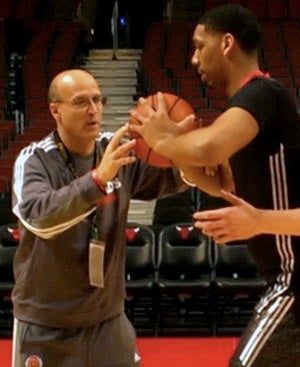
[[260, 134]]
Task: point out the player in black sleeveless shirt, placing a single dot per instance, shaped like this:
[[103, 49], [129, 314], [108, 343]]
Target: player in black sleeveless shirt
[[259, 134]]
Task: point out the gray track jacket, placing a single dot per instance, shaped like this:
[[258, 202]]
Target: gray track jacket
[[54, 211]]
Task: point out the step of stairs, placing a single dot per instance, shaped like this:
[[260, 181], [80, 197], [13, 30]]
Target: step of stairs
[[109, 90], [110, 54], [141, 211], [116, 73], [110, 64]]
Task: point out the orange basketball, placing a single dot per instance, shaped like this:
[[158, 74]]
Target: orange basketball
[[177, 109]]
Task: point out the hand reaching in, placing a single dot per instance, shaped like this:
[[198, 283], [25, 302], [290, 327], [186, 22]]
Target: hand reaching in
[[236, 222], [115, 156]]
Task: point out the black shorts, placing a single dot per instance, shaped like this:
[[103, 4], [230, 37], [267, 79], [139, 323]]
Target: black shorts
[[111, 343], [272, 338]]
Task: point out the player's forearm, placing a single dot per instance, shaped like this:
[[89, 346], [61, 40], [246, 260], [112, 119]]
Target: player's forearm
[[211, 184], [193, 150], [280, 222]]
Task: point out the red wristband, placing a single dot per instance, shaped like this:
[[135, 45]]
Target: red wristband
[[98, 181]]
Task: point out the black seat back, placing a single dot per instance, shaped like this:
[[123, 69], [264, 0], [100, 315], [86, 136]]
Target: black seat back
[[234, 261], [9, 239], [184, 252], [140, 251]]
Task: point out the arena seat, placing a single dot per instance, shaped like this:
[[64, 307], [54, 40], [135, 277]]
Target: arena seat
[[238, 286], [9, 239], [140, 271], [184, 280]]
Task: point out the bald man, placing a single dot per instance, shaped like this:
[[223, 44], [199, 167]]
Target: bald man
[[71, 193]]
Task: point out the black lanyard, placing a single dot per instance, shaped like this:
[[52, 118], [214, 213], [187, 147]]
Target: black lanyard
[[67, 157]]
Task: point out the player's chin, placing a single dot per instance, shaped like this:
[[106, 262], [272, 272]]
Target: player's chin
[[205, 80], [91, 134], [203, 77]]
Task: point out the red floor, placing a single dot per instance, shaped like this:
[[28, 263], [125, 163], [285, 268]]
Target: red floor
[[186, 352], [168, 352]]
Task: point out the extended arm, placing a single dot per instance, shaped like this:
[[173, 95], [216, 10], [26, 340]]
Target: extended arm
[[209, 181], [243, 221], [48, 204], [208, 146]]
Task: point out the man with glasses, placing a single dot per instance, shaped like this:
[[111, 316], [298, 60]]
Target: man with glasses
[[71, 194]]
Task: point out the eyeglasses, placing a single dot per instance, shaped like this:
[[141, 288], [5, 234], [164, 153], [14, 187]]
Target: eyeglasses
[[84, 102]]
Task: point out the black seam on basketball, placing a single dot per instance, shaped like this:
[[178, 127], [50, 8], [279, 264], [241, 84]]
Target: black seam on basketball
[[173, 105]]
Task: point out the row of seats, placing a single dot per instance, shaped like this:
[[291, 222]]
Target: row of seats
[[170, 45], [21, 9], [166, 62], [28, 9], [177, 282], [9, 239], [182, 282], [264, 9], [50, 48]]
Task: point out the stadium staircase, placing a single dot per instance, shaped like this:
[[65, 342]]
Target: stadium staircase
[[116, 73]]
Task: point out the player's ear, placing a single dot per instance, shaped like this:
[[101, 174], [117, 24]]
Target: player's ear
[[227, 43], [53, 107]]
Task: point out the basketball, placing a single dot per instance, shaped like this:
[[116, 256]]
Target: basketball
[[178, 109]]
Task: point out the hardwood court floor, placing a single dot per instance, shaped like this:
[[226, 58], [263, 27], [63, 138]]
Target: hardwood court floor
[[168, 351]]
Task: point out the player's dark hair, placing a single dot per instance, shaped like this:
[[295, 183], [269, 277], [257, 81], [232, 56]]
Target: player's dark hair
[[237, 20]]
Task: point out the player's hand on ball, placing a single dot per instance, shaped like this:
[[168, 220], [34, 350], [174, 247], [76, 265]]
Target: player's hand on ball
[[155, 120]]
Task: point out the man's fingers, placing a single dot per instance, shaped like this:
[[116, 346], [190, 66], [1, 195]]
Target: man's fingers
[[124, 149], [134, 128], [212, 226], [187, 124], [161, 102], [141, 118], [221, 240], [208, 215], [146, 106], [219, 236], [231, 198], [126, 160], [119, 134]]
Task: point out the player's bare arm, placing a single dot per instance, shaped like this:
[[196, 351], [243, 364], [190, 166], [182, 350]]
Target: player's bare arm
[[208, 146], [211, 181]]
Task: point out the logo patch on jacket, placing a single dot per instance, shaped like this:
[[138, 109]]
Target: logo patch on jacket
[[33, 361]]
